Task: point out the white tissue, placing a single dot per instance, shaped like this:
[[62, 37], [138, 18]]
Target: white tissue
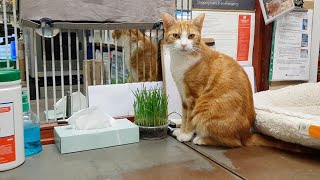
[[90, 118]]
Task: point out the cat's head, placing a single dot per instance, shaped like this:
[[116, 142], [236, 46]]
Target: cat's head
[[183, 36], [126, 35], [120, 35], [116, 34]]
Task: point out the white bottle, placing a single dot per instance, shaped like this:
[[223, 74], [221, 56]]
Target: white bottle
[[11, 122]]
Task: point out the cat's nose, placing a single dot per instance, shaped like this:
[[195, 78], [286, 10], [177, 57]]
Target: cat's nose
[[183, 46]]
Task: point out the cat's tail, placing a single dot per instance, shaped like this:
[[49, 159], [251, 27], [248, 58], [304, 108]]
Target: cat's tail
[[262, 140]]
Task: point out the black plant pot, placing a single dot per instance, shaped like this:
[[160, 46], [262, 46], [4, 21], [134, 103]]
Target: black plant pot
[[153, 133]]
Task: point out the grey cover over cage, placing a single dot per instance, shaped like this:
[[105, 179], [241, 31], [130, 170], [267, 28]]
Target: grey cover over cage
[[121, 11]]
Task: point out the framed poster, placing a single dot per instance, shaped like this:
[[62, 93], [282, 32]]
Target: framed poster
[[273, 9]]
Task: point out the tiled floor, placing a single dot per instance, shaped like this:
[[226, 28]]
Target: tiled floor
[[167, 159]]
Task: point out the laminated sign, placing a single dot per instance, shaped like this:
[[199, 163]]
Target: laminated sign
[[235, 5], [291, 46]]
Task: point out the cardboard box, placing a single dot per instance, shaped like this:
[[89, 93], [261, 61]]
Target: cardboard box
[[69, 140]]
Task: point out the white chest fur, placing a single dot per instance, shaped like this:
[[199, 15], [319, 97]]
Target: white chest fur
[[179, 65]]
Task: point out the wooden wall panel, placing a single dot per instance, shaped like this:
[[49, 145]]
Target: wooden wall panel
[[261, 50]]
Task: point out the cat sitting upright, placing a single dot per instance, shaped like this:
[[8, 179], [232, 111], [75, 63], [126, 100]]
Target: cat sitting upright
[[216, 94], [142, 59]]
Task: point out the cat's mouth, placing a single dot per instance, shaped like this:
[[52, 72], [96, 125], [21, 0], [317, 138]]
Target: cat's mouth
[[185, 50]]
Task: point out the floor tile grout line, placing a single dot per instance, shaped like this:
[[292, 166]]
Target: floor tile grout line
[[213, 160], [217, 162]]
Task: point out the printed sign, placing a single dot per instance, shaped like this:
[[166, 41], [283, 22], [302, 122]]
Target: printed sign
[[234, 39], [247, 5], [243, 37], [291, 47]]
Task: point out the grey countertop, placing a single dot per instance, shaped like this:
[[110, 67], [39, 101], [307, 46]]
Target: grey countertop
[[159, 159], [167, 159]]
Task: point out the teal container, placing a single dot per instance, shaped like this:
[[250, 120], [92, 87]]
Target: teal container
[[31, 126]]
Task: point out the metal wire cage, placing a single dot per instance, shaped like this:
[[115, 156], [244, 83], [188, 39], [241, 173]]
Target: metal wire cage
[[56, 58]]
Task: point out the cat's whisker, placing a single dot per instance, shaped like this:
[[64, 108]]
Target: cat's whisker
[[176, 50], [198, 50], [173, 48]]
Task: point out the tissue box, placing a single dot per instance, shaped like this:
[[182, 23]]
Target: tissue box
[[69, 140]]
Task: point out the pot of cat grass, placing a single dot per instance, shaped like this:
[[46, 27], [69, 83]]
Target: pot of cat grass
[[151, 113]]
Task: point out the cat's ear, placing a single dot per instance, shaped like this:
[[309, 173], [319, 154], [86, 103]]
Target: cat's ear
[[198, 21], [167, 20]]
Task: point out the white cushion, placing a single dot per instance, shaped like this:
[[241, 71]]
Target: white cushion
[[281, 112]]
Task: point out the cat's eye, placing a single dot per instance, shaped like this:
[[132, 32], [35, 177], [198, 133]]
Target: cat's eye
[[177, 36], [191, 36]]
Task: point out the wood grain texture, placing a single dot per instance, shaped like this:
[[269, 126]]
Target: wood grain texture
[[261, 50]]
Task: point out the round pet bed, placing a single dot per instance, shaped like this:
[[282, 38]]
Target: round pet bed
[[291, 114]]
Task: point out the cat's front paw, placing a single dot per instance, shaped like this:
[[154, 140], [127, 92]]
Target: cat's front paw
[[176, 132], [185, 137], [198, 141]]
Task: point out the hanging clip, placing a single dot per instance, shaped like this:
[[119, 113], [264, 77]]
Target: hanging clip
[[158, 25], [45, 22], [46, 28], [298, 3]]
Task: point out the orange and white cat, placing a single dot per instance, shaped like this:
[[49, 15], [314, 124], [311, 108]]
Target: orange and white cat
[[215, 91], [140, 54]]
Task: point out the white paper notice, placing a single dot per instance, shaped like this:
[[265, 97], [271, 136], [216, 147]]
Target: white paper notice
[[111, 99], [290, 57], [117, 99], [233, 33]]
